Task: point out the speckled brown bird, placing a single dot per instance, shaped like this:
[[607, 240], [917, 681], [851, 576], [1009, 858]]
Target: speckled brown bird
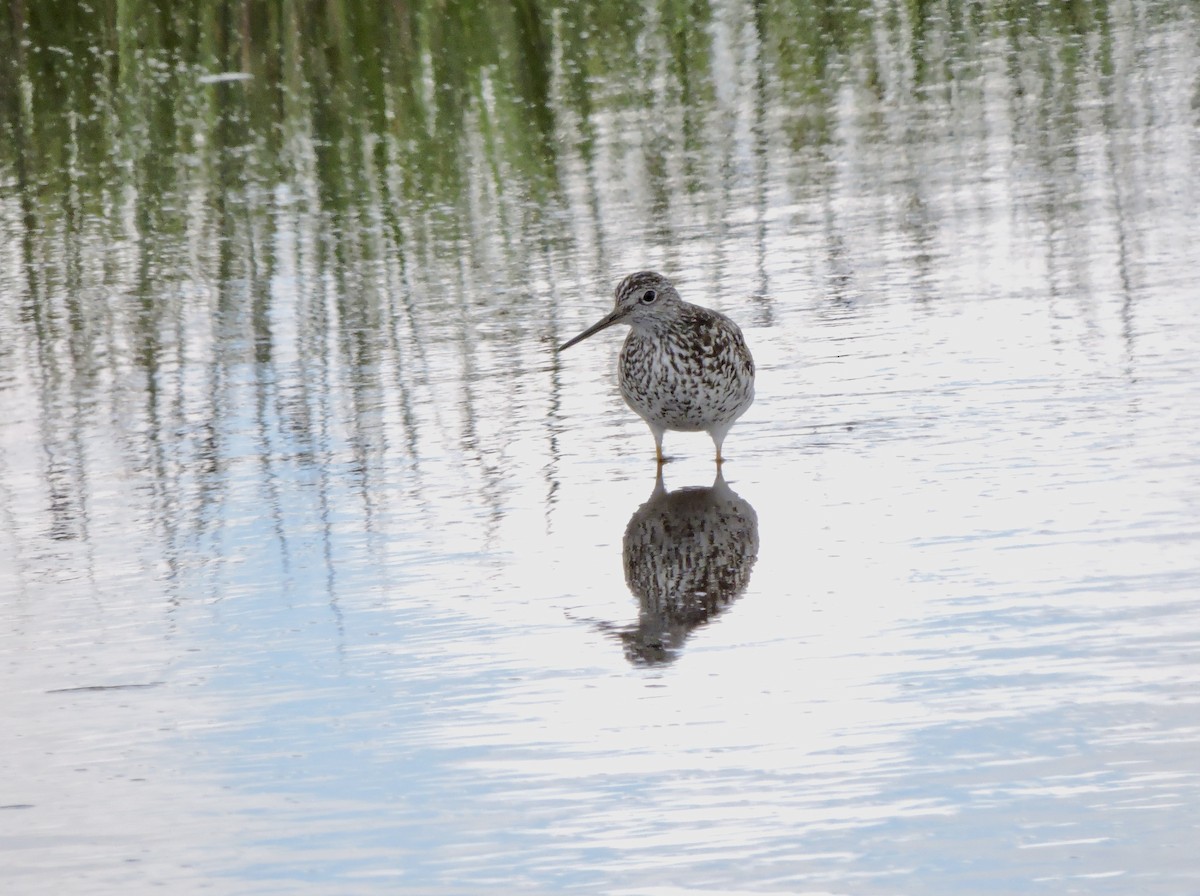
[[682, 367]]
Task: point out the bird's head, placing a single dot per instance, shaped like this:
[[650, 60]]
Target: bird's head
[[645, 300]]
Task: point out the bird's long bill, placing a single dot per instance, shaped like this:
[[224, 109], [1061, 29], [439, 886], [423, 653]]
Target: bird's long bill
[[593, 329]]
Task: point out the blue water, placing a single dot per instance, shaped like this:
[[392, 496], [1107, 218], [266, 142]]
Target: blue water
[[351, 615]]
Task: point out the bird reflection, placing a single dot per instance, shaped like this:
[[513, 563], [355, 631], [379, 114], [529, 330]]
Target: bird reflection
[[688, 555]]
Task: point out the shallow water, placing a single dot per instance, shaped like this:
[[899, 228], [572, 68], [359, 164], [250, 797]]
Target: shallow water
[[321, 572]]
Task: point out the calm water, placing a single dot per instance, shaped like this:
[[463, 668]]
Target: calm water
[[321, 573]]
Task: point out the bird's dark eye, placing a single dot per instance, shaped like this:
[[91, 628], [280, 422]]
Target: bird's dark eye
[[649, 296]]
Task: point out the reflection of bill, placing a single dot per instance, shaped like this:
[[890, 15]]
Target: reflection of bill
[[688, 555]]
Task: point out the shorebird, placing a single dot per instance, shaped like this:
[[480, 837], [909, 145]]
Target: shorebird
[[682, 367]]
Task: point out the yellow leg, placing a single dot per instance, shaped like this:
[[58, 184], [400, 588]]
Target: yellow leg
[[718, 437]]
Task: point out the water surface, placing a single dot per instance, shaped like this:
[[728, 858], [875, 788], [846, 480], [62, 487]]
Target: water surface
[[321, 572]]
